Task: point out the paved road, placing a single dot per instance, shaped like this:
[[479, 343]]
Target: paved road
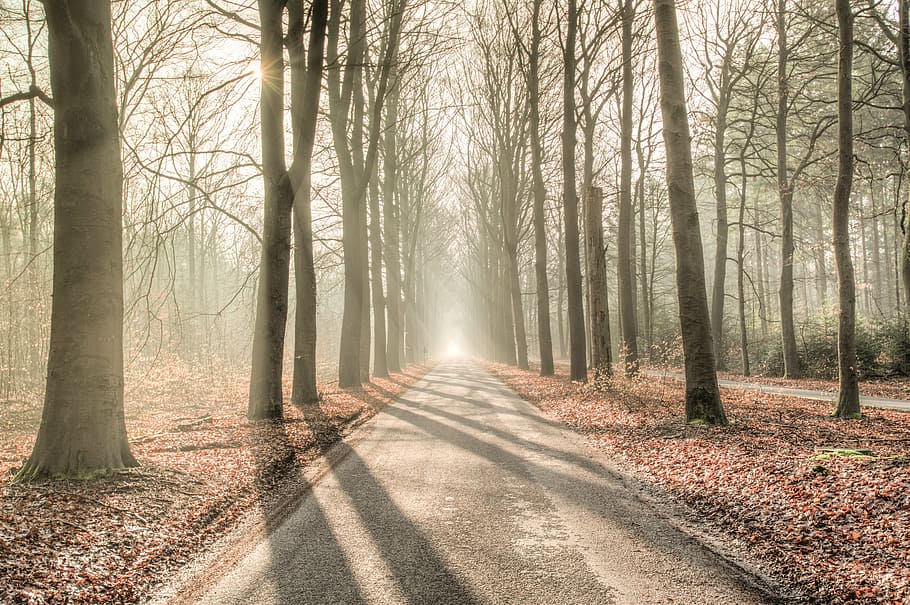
[[872, 402], [463, 493]]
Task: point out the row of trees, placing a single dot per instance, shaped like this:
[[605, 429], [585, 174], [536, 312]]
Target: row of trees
[[772, 132], [195, 158], [380, 128]]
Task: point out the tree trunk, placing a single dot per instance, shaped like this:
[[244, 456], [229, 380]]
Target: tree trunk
[[904, 53], [598, 305], [391, 229], [274, 268], [351, 202], [306, 87], [643, 251], [848, 382], [625, 269], [578, 369], [703, 402], [718, 294], [544, 337], [785, 189], [741, 268], [83, 431]]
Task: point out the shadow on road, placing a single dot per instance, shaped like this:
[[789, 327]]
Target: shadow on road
[[288, 575], [308, 564]]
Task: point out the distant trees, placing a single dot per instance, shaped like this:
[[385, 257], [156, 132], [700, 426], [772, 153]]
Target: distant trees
[[443, 172], [83, 432]]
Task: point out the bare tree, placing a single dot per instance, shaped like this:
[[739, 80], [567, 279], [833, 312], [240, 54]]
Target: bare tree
[[306, 88], [570, 201], [83, 431], [703, 402], [848, 381], [266, 399]]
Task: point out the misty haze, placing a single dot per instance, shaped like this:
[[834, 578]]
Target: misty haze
[[439, 301]]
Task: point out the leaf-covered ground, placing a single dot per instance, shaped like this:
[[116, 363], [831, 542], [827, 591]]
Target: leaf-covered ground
[[832, 526], [203, 468]]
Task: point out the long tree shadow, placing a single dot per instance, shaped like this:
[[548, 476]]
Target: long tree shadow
[[308, 567], [307, 563]]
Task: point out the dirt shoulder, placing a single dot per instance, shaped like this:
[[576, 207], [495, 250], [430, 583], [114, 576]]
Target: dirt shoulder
[[775, 483], [205, 469]]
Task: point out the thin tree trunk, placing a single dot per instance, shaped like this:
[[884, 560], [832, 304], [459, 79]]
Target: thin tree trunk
[[625, 268], [274, 268], [577, 346], [703, 402], [544, 337], [643, 250], [718, 294], [785, 188], [83, 431], [741, 268], [848, 381], [391, 228]]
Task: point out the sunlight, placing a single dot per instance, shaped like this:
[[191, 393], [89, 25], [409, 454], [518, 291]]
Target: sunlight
[[453, 350]]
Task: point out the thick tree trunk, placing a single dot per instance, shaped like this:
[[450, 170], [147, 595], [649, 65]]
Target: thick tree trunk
[[848, 381], [598, 305], [83, 431], [785, 189], [626, 269], [306, 87], [577, 346], [274, 268], [346, 146], [703, 402]]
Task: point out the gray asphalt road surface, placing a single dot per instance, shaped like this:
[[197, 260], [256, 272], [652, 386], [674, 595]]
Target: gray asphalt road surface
[[463, 493]]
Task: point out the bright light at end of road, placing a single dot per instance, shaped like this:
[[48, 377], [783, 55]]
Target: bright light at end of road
[[453, 349]]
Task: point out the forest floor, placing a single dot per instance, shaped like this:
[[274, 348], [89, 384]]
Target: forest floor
[[821, 504], [204, 467]]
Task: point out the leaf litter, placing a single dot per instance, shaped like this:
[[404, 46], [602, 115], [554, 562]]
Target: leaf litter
[[821, 504], [204, 467]]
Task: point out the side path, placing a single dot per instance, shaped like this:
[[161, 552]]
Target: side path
[[461, 492], [872, 402]]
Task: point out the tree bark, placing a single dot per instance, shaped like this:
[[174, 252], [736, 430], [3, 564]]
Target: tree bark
[[598, 304], [785, 192], [625, 269], [848, 381], [703, 402], [718, 295], [391, 228], [904, 54], [83, 431], [741, 268], [306, 88], [544, 336], [577, 345], [274, 267]]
